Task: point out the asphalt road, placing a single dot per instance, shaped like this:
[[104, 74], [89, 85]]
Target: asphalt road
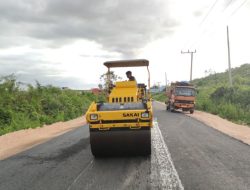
[[203, 158]]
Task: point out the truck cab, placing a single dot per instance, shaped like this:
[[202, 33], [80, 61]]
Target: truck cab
[[181, 95]]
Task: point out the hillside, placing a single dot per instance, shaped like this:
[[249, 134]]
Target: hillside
[[215, 95], [240, 76]]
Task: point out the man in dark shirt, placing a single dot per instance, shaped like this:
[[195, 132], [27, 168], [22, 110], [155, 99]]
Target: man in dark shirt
[[130, 77]]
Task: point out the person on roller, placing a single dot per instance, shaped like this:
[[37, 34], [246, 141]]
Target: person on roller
[[130, 77]]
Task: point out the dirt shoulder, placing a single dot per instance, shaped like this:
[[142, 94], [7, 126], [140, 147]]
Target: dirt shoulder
[[240, 132], [18, 141]]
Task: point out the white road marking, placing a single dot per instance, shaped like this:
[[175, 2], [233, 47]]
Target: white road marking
[[163, 172], [162, 167], [80, 174]]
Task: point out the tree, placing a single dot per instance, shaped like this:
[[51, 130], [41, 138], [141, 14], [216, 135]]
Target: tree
[[8, 83], [104, 78], [100, 86]]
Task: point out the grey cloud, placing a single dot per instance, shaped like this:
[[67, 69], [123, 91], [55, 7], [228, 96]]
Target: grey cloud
[[29, 68], [119, 26], [105, 57], [59, 81], [122, 27], [198, 13]]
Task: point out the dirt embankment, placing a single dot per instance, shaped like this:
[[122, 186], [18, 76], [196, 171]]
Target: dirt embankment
[[240, 132], [18, 141]]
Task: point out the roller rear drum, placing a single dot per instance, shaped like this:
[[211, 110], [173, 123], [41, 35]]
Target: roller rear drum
[[121, 142]]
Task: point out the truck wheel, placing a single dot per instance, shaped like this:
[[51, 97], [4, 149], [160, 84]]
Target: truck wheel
[[171, 108], [191, 111], [167, 107]]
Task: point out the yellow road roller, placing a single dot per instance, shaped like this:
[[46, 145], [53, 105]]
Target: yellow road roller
[[121, 126]]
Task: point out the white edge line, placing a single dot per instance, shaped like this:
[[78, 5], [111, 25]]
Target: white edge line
[[168, 155], [79, 175]]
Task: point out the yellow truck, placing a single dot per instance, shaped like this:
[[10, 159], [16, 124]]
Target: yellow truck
[[122, 124], [181, 95]]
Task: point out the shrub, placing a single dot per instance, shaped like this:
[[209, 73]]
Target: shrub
[[39, 105]]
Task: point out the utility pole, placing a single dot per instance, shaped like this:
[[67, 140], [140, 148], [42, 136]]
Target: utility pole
[[229, 60], [166, 79], [166, 82], [191, 67], [159, 86]]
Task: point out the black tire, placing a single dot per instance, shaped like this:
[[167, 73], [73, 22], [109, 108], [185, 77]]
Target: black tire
[[121, 143], [191, 111], [171, 108], [167, 108]]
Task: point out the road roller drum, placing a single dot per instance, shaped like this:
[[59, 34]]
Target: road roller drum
[[120, 142]]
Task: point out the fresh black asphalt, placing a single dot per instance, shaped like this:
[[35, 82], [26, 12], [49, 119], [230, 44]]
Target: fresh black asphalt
[[203, 157]]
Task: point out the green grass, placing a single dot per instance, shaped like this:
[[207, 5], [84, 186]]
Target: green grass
[[160, 96], [39, 105], [232, 103]]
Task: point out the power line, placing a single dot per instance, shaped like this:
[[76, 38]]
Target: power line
[[227, 6], [200, 37], [209, 11], [204, 18], [238, 8]]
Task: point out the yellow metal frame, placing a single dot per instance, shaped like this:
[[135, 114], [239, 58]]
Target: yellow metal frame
[[129, 63], [123, 92], [120, 115]]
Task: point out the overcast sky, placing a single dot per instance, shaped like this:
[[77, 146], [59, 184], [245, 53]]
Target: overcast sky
[[65, 43]]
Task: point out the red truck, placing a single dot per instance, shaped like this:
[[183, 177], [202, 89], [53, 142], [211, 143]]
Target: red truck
[[181, 95]]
